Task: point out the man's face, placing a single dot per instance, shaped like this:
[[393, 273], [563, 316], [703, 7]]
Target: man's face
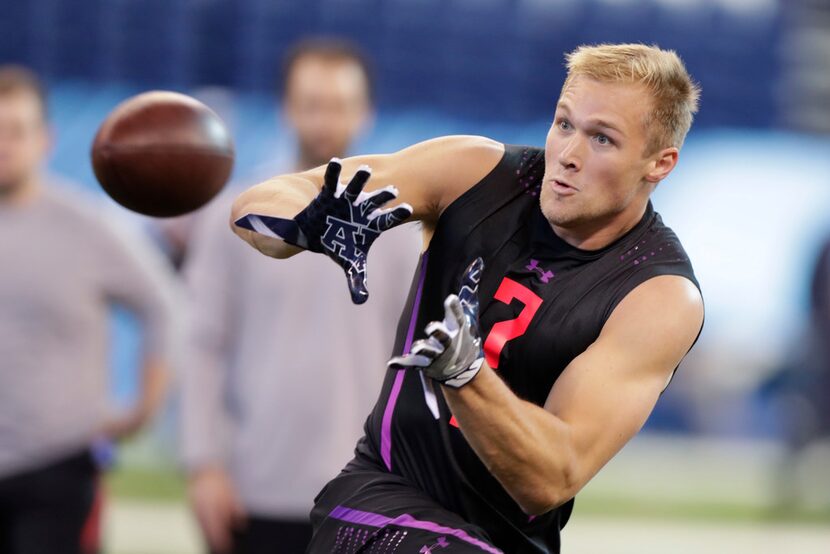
[[23, 139], [327, 104], [595, 154]]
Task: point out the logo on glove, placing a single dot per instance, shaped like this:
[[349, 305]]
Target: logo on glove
[[341, 222]]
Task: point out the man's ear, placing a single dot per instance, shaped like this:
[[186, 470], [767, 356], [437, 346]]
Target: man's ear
[[661, 164]]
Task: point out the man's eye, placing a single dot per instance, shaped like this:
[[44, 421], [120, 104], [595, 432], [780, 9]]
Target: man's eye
[[603, 140], [564, 125]]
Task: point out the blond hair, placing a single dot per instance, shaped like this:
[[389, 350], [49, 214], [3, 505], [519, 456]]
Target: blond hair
[[675, 96]]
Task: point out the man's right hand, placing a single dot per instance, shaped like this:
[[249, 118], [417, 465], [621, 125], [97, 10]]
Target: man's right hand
[[341, 222], [275, 216], [216, 506]]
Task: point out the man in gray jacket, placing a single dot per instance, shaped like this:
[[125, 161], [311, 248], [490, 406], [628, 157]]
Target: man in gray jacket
[[63, 268], [256, 449]]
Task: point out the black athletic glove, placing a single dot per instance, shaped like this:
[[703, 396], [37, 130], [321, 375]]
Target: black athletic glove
[[341, 222], [452, 352]]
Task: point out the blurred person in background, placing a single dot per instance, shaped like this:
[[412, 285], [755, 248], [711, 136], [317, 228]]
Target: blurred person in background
[[255, 447], [64, 267], [798, 390]]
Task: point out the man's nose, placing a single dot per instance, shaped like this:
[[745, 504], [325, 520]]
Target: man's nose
[[570, 156]]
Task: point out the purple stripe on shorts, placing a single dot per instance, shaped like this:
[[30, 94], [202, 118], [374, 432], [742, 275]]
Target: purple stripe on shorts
[[405, 520], [386, 424]]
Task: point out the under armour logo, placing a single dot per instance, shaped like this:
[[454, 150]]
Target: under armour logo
[[440, 543], [544, 274]]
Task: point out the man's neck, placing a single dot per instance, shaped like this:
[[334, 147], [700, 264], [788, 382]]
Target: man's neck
[[598, 234]]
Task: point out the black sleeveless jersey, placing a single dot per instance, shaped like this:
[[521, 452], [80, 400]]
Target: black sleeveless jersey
[[543, 302]]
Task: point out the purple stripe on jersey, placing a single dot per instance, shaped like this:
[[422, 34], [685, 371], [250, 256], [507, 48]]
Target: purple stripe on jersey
[[386, 424], [359, 516], [405, 520]]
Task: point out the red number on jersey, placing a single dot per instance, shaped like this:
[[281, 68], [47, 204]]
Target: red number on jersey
[[504, 331]]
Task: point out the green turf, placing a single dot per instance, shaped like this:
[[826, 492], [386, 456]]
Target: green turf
[[697, 510], [168, 485], [162, 484]]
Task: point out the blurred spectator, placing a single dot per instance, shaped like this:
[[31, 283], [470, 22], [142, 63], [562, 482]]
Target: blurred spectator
[[800, 388], [256, 448], [64, 267], [798, 391]]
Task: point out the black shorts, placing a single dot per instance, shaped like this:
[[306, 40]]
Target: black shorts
[[266, 535], [373, 512], [52, 510]]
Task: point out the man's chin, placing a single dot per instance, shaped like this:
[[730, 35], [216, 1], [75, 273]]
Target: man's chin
[[317, 156], [559, 217], [564, 222], [9, 188]]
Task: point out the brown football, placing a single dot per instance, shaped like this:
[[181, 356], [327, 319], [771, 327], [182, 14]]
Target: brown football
[[162, 154]]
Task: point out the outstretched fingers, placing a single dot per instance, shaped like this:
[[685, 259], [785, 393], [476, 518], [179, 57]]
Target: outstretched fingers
[[356, 278], [472, 275], [428, 347], [454, 312], [332, 176], [355, 186], [438, 331], [383, 220], [374, 200], [468, 293], [409, 361]]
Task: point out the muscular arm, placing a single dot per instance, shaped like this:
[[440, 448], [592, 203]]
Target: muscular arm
[[429, 176], [544, 456]]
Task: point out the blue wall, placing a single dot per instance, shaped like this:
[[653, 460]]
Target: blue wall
[[475, 58]]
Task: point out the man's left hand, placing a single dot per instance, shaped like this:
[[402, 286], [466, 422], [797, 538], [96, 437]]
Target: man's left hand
[[452, 352]]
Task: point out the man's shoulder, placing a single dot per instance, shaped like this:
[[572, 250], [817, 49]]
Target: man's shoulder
[[509, 171], [88, 214], [654, 251], [665, 246], [508, 162], [67, 196], [68, 204]]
